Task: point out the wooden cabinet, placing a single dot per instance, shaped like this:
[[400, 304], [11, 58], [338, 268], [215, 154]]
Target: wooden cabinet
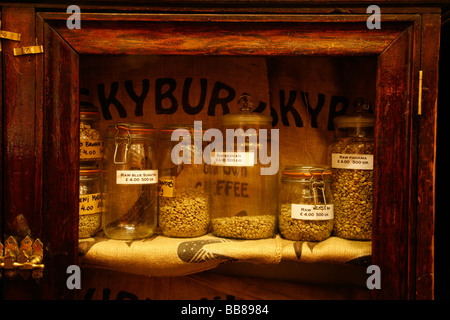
[[442, 277], [40, 105]]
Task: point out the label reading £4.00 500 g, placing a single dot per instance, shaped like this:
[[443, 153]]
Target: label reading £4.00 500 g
[[137, 176], [352, 161], [312, 212], [240, 159]]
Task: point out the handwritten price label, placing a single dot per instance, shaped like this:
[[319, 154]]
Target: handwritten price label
[[90, 203], [91, 149]]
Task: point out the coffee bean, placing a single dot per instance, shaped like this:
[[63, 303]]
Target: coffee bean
[[184, 215]]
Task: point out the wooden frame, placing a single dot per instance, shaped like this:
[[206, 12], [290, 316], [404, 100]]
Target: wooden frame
[[403, 165]]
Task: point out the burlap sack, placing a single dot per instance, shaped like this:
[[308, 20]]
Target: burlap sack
[[307, 93], [170, 90], [164, 256]]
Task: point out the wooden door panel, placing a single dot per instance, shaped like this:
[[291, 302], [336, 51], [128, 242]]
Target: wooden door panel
[[61, 165], [22, 144], [426, 160], [394, 173]]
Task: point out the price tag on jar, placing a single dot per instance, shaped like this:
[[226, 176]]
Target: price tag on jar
[[90, 203], [166, 187], [137, 176], [239, 159], [312, 212], [352, 161], [91, 149]]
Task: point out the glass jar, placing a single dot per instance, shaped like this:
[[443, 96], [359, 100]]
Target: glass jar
[[130, 181], [184, 193], [306, 203], [91, 141], [352, 161], [90, 200], [244, 196]]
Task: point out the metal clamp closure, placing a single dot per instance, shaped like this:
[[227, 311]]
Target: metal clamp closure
[[120, 141], [317, 186], [28, 50], [8, 35]]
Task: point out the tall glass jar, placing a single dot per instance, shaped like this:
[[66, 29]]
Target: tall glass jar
[[91, 141], [130, 181], [306, 203], [90, 201], [352, 160], [243, 186], [184, 198]]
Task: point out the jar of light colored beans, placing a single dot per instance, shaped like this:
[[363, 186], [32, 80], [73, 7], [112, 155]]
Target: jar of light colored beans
[[91, 140], [306, 208], [184, 194], [90, 202], [352, 161]]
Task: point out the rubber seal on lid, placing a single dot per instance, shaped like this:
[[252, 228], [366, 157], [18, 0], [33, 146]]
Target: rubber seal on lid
[[307, 171]]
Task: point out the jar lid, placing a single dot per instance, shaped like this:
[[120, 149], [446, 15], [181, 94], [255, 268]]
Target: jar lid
[[89, 170], [133, 129], [89, 109], [354, 121], [170, 128], [246, 116], [361, 116], [307, 171]]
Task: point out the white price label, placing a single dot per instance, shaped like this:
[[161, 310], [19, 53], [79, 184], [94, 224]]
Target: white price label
[[137, 176], [238, 159], [312, 212], [352, 161]]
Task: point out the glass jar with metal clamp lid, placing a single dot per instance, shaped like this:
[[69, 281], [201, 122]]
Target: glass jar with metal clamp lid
[[306, 203], [130, 181], [90, 201], [91, 140]]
